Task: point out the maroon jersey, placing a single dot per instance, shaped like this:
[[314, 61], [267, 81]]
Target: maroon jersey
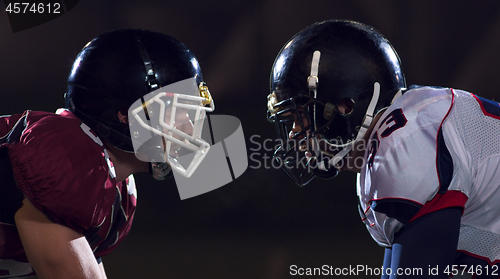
[[62, 167]]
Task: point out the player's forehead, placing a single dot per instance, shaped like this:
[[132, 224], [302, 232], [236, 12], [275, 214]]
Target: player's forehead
[[177, 110]]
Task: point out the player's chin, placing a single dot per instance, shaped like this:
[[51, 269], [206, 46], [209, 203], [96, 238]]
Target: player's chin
[[328, 148], [322, 168], [326, 174]]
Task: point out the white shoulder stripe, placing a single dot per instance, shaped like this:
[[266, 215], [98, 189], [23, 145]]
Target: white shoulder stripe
[[131, 186], [86, 130]]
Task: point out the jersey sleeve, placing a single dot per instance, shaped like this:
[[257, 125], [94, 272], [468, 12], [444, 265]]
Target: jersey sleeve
[[402, 179], [63, 173]]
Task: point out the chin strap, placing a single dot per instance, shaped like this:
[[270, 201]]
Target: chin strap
[[312, 80], [312, 83], [367, 121]]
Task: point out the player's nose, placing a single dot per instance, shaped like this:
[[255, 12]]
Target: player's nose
[[297, 126], [184, 124]]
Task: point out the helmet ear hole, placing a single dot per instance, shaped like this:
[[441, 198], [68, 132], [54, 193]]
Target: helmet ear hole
[[123, 116], [346, 106]]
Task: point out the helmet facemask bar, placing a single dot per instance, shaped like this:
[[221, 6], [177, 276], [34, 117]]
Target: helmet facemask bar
[[312, 151], [351, 71], [296, 154], [167, 126], [363, 128]]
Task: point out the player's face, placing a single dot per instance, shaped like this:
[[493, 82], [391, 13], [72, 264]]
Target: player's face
[[182, 122], [301, 123]]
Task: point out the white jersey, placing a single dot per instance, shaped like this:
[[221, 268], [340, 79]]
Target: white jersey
[[435, 148]]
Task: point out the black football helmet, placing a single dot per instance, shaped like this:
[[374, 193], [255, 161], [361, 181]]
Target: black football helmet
[[332, 77], [118, 68]]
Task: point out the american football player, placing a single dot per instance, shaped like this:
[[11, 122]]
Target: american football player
[[68, 196], [428, 158]]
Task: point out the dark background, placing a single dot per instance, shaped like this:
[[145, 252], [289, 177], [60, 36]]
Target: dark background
[[260, 224]]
